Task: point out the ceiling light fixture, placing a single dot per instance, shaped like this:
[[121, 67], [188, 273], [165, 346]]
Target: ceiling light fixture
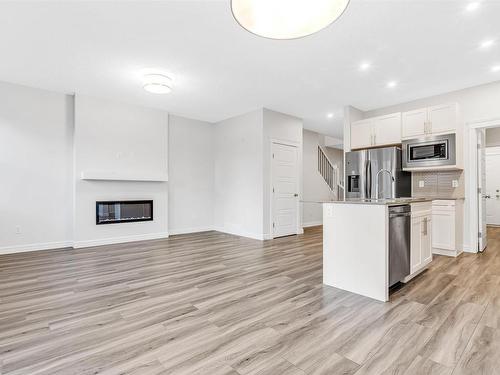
[[286, 19], [330, 115], [472, 6], [392, 84], [365, 66], [487, 44], [157, 83], [495, 68]]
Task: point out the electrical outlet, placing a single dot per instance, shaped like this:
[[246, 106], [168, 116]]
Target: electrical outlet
[[18, 229], [454, 183], [329, 210], [421, 183]]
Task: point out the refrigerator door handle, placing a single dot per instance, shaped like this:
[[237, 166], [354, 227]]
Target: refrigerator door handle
[[366, 180], [369, 178]]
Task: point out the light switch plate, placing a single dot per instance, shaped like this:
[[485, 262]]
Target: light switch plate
[[454, 183], [421, 183]]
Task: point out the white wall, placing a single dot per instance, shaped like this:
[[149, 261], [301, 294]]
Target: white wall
[[476, 103], [314, 186], [493, 137], [117, 138], [36, 128], [238, 175], [279, 127], [191, 175]]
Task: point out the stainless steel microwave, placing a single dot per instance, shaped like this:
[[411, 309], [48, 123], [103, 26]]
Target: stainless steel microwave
[[434, 151]]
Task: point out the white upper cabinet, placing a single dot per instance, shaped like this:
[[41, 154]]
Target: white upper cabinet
[[376, 131], [387, 129], [443, 118], [362, 134], [439, 119], [414, 123]]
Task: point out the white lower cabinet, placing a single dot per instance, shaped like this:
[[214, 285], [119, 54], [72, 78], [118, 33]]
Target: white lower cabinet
[[447, 226], [421, 238]]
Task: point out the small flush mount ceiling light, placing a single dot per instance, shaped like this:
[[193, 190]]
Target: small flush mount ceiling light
[[472, 6], [365, 66], [391, 84], [286, 19], [495, 68], [487, 44], [157, 83], [330, 115]]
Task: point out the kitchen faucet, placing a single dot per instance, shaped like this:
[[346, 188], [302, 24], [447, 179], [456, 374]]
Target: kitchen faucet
[[377, 184]]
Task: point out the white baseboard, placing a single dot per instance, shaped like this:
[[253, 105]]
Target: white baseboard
[[35, 247], [173, 232], [255, 236], [312, 224], [449, 253], [116, 240]]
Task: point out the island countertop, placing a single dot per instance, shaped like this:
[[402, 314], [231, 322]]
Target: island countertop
[[385, 202]]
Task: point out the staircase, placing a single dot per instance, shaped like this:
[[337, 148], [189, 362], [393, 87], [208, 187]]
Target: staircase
[[330, 174]]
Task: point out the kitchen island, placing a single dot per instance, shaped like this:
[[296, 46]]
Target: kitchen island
[[356, 239]]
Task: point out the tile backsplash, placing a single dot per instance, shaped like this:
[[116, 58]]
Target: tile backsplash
[[445, 184]]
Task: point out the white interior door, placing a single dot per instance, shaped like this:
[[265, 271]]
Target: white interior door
[[481, 183], [285, 177], [492, 167]]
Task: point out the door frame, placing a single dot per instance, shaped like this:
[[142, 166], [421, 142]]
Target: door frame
[[472, 128], [297, 145], [495, 152]]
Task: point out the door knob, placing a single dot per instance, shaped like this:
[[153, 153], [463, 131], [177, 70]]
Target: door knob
[[295, 195], [487, 196]]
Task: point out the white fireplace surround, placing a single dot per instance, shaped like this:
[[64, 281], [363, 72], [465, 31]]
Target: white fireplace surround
[[120, 153]]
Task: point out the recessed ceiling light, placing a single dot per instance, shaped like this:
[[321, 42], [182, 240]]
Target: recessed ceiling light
[[285, 19], [472, 6], [330, 115], [157, 83], [392, 84], [365, 66], [487, 43], [495, 68]]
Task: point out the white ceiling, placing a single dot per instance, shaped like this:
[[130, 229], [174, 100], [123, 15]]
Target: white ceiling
[[220, 70]]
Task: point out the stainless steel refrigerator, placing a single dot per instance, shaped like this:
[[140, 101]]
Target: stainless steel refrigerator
[[367, 171]]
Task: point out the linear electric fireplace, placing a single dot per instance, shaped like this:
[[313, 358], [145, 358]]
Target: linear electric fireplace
[[112, 212]]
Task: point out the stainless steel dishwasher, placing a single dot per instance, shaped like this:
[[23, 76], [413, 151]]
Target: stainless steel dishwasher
[[399, 242]]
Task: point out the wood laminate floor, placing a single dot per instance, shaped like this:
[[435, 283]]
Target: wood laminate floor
[[217, 304]]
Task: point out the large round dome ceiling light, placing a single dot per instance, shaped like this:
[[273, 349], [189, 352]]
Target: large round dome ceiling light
[[286, 19], [157, 83]]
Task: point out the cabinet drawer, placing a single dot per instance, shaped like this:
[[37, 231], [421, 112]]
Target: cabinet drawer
[[444, 203]]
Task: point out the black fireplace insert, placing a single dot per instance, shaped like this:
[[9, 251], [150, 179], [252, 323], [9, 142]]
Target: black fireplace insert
[[112, 212]]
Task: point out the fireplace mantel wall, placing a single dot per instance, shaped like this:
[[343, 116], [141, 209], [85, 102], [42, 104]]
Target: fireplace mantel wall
[[119, 140]]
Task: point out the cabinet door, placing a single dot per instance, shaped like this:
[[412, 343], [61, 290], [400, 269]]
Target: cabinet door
[[416, 244], [413, 123], [387, 129], [443, 228], [362, 134], [425, 243], [443, 118]]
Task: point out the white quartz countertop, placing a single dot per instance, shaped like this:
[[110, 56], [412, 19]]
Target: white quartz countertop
[[387, 202]]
